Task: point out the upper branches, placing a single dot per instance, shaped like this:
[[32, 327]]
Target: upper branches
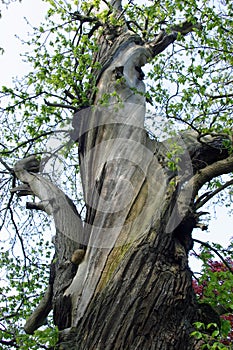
[[220, 167], [204, 175]]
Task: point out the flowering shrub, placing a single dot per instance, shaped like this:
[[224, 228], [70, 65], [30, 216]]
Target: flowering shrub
[[215, 287]]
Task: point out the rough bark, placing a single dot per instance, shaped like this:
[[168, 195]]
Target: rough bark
[[132, 290], [68, 239]]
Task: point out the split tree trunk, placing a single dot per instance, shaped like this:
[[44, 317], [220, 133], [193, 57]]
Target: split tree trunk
[[133, 289]]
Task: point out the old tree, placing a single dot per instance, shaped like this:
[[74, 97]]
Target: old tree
[[119, 277]]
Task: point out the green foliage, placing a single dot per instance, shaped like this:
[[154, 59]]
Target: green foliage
[[214, 287], [210, 335], [46, 338], [190, 84], [173, 155], [23, 275]]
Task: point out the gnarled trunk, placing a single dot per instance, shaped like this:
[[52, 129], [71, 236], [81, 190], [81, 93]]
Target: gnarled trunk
[[131, 288]]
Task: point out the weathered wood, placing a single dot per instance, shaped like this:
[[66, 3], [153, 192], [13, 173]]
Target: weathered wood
[[134, 284], [132, 288], [39, 315], [68, 238], [114, 158]]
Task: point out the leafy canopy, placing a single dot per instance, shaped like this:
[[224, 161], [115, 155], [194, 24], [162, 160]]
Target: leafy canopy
[[190, 85]]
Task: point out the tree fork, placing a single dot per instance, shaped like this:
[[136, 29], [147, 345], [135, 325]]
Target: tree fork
[[133, 288]]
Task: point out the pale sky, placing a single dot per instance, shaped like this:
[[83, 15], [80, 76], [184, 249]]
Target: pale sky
[[12, 23]]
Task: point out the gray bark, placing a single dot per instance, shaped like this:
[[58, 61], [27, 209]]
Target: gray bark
[[132, 290]]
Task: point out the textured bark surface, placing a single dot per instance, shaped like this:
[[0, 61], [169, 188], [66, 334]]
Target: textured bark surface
[[132, 290], [149, 302]]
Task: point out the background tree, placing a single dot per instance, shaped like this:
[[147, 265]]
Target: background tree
[[119, 277]]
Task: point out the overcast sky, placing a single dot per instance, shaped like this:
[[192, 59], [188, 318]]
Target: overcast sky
[[13, 23]]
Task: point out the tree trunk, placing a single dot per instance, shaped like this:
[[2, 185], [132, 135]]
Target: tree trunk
[[133, 287], [144, 297]]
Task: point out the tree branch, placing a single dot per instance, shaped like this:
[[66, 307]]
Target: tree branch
[[39, 315], [36, 206], [192, 186], [10, 343], [220, 167], [160, 43], [18, 235], [26, 142], [69, 94], [207, 196], [163, 40], [55, 202], [207, 245], [23, 99], [60, 105], [11, 171], [116, 4], [215, 97], [213, 134], [83, 18], [186, 27]]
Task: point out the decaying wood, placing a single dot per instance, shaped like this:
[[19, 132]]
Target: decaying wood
[[132, 288], [68, 238], [102, 134]]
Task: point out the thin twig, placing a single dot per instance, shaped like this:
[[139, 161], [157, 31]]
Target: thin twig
[[26, 142], [6, 166], [207, 245], [210, 195]]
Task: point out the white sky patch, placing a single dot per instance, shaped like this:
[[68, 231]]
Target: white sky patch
[[12, 24]]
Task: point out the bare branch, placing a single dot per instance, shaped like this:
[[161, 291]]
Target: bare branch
[[199, 199], [6, 166], [22, 190], [161, 42], [26, 142], [38, 317], [69, 94], [116, 4], [186, 27], [36, 206], [60, 105], [213, 134], [55, 202], [18, 235]]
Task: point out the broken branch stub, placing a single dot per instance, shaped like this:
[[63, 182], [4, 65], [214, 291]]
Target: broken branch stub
[[52, 199]]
